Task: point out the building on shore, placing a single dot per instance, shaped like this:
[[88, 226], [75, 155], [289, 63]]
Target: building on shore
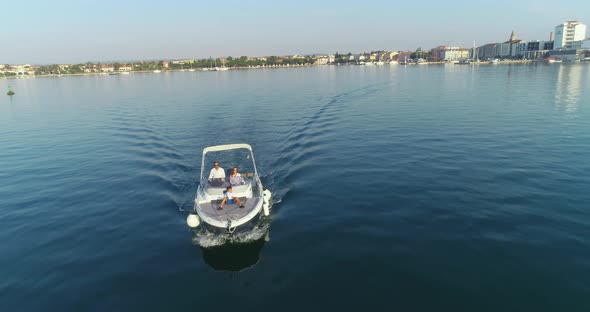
[[124, 68], [331, 58], [17, 70], [569, 35], [322, 60], [513, 48], [538, 49], [183, 62], [488, 51], [404, 56], [393, 56], [516, 49], [446, 53], [569, 55], [570, 43]]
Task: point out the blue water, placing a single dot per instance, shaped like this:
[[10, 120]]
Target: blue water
[[419, 188]]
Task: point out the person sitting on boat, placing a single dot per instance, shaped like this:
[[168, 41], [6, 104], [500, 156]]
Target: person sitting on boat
[[235, 178], [217, 174], [230, 198]]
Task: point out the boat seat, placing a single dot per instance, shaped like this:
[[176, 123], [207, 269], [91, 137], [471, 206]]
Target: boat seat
[[219, 189], [242, 187], [215, 190]]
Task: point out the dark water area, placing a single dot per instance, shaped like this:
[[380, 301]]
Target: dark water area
[[419, 188]]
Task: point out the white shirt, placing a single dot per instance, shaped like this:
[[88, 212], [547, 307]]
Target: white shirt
[[229, 195], [217, 174]]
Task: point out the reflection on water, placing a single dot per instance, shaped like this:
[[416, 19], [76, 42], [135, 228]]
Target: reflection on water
[[569, 87], [235, 256]]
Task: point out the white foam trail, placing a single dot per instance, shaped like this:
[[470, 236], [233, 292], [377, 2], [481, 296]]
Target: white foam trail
[[208, 239]]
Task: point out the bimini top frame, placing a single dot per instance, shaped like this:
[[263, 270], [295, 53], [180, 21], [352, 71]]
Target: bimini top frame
[[227, 147]]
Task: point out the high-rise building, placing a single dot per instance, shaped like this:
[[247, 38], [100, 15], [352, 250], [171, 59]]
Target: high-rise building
[[568, 33]]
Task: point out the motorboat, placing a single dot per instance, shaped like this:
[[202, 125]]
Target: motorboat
[[552, 60], [254, 199], [157, 71]]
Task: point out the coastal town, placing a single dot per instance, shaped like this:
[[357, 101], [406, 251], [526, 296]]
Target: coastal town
[[567, 42]]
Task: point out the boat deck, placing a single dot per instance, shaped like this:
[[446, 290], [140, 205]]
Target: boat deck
[[229, 211]]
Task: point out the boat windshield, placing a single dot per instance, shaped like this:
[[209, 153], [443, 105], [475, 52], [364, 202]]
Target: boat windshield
[[237, 158]]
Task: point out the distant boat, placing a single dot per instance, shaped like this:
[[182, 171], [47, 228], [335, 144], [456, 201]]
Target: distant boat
[[124, 73], [157, 71], [379, 63], [191, 70], [494, 61], [369, 63], [214, 67], [222, 68], [393, 63], [463, 62]]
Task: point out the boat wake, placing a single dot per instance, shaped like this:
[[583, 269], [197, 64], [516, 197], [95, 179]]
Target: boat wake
[[207, 239], [302, 144]]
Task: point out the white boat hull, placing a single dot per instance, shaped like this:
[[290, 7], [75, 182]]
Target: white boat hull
[[255, 200]]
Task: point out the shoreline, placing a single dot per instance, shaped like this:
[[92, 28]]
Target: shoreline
[[262, 67], [151, 71]]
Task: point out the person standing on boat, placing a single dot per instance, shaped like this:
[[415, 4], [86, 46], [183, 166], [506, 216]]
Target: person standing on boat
[[235, 178], [216, 172], [230, 198]]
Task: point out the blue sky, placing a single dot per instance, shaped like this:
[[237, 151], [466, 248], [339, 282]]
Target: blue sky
[[86, 30]]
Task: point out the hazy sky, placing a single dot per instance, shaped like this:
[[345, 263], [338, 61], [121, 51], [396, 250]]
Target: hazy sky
[[62, 31]]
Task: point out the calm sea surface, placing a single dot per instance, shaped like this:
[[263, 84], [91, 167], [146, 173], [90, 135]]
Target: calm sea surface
[[419, 188]]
